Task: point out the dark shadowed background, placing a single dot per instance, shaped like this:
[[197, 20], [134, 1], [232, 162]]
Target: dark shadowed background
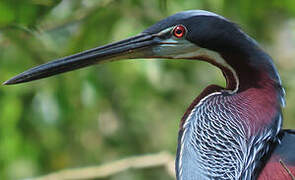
[[108, 112]]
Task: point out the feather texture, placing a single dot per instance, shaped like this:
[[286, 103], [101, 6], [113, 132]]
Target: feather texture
[[226, 135]]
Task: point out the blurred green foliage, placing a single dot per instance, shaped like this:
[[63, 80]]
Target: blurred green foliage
[[114, 110]]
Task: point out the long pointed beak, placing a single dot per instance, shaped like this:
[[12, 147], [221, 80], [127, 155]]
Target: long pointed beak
[[139, 46]]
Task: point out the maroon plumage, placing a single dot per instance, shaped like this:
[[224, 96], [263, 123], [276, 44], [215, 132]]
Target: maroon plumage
[[227, 133], [280, 163]]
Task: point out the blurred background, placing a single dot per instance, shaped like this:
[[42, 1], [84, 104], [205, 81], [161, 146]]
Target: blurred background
[[112, 111]]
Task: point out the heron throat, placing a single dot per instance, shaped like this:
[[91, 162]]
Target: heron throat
[[222, 131]]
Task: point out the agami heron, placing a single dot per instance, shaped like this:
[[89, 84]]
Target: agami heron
[[231, 132]]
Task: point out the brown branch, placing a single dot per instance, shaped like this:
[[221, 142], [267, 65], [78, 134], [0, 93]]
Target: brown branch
[[137, 162]]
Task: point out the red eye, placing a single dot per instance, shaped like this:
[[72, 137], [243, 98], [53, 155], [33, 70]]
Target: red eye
[[179, 31]]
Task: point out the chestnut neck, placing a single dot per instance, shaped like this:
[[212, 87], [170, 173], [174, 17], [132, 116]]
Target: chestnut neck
[[253, 71]]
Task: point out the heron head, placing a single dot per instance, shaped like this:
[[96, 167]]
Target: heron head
[[192, 34]]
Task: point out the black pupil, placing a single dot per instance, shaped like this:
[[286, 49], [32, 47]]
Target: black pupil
[[178, 31]]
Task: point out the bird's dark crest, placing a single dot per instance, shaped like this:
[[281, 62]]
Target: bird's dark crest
[[228, 132]]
